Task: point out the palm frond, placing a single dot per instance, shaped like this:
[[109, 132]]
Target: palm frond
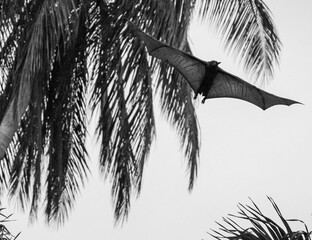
[[42, 35], [66, 116], [177, 106], [126, 125], [171, 27], [262, 227], [53, 127], [5, 234], [124, 88], [247, 29]]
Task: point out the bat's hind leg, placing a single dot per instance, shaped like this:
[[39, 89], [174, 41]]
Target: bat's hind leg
[[205, 94]]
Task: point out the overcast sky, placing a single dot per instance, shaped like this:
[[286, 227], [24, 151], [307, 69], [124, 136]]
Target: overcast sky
[[245, 152]]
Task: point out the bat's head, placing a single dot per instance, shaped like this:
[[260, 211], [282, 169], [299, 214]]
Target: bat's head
[[213, 63]]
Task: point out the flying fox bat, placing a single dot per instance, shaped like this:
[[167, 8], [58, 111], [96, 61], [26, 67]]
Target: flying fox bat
[[207, 78]]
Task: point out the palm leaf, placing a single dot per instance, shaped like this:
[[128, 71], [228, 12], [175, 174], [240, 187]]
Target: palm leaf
[[5, 234], [32, 59], [126, 124], [124, 91], [54, 123], [262, 227], [175, 95], [248, 32]]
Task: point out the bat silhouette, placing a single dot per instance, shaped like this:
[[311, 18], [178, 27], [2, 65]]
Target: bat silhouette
[[207, 78]]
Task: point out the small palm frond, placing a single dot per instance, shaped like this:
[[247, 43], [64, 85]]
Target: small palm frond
[[66, 113], [5, 234], [177, 106], [262, 227], [175, 96], [248, 32], [123, 90]]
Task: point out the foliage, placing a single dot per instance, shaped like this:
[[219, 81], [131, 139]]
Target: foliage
[[4, 232], [262, 227], [53, 53], [248, 33]]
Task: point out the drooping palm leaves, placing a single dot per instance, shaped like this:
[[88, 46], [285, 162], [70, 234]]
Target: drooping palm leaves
[[53, 51], [48, 77], [247, 31], [261, 226]]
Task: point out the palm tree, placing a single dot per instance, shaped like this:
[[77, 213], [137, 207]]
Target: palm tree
[[260, 226], [54, 52]]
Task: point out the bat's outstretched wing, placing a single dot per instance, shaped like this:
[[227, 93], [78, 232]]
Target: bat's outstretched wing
[[228, 85], [192, 68]]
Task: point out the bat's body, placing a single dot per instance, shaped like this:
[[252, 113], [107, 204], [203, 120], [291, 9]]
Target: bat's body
[[211, 69], [207, 78]]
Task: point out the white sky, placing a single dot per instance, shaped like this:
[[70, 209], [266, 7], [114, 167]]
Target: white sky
[[245, 152]]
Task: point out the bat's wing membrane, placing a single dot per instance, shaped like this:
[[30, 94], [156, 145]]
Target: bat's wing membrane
[[191, 68], [228, 85], [194, 71]]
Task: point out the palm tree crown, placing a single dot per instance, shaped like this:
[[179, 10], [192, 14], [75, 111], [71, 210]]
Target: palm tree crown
[[53, 52]]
